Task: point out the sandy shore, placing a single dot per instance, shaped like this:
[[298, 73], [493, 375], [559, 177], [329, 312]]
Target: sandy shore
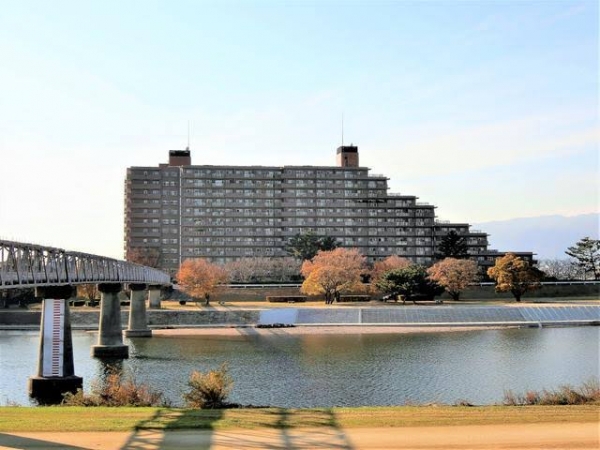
[[315, 329]]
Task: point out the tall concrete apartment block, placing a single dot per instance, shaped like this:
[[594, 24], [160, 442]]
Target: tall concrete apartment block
[[178, 211]]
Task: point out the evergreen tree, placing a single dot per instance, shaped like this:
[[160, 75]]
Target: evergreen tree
[[304, 246], [411, 283], [452, 245], [587, 254]]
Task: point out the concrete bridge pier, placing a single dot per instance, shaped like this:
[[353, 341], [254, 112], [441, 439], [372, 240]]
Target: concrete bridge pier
[[154, 296], [110, 333], [56, 372], [138, 325]]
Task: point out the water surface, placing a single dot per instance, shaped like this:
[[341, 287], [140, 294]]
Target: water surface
[[337, 370]]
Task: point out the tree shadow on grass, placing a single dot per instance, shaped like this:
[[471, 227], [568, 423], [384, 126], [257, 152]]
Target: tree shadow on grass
[[167, 423], [327, 432], [275, 428]]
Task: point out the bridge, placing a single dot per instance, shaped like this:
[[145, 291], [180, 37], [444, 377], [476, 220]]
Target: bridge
[[30, 266], [54, 273]]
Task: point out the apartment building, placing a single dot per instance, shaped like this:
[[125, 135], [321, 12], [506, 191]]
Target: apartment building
[[177, 210]]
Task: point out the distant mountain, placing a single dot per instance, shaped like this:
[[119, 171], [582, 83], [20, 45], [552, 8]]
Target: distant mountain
[[547, 236]]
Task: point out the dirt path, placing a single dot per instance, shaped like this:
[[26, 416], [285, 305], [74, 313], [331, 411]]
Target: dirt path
[[476, 437]]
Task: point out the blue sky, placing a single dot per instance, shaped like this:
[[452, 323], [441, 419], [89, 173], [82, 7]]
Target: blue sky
[[487, 109]]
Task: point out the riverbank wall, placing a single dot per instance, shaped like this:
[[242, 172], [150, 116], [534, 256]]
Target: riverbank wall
[[373, 315], [88, 320]]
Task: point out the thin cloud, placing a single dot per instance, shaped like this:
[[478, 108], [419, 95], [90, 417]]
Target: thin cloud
[[500, 143], [571, 11]]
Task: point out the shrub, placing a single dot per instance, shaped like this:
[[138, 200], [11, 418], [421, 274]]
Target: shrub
[[589, 392], [464, 403], [354, 298], [591, 389], [286, 298], [76, 303], [116, 390], [510, 398], [209, 390], [565, 395], [532, 398]]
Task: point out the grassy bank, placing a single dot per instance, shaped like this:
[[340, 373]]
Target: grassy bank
[[23, 419]]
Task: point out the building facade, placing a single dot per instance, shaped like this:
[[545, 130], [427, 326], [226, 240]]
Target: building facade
[[177, 210]]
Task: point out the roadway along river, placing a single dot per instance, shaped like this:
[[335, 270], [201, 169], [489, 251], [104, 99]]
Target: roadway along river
[[338, 370]]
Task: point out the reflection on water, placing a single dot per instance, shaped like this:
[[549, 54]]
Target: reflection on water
[[334, 370], [107, 367]]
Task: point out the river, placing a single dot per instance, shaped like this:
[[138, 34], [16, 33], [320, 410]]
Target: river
[[337, 370]]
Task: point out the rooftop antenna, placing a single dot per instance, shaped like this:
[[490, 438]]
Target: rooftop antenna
[[342, 129], [188, 146]]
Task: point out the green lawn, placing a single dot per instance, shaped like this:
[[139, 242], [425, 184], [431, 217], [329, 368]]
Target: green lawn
[[26, 419]]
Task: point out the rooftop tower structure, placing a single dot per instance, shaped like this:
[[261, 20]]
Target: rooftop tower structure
[[347, 156], [180, 157]]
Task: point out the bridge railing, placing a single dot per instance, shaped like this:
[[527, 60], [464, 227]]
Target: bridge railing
[[25, 265]]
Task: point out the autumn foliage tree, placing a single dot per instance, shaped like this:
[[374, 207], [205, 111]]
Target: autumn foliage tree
[[257, 270], [145, 256], [198, 278], [454, 275], [515, 275], [333, 272], [88, 291], [389, 263]]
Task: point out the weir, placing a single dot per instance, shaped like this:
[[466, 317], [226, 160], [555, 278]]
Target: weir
[[436, 315]]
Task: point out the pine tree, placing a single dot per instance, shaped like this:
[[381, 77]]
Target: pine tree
[[587, 254], [304, 246], [453, 245]]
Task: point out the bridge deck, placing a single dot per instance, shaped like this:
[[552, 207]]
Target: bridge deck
[[29, 265]]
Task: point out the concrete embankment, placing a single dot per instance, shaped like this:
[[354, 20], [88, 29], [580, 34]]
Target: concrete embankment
[[372, 315], [88, 320]]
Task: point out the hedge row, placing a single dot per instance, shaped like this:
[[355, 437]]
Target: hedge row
[[355, 298], [286, 298]]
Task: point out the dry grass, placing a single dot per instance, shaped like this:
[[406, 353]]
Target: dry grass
[[587, 393], [263, 304], [208, 390], [116, 390]]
